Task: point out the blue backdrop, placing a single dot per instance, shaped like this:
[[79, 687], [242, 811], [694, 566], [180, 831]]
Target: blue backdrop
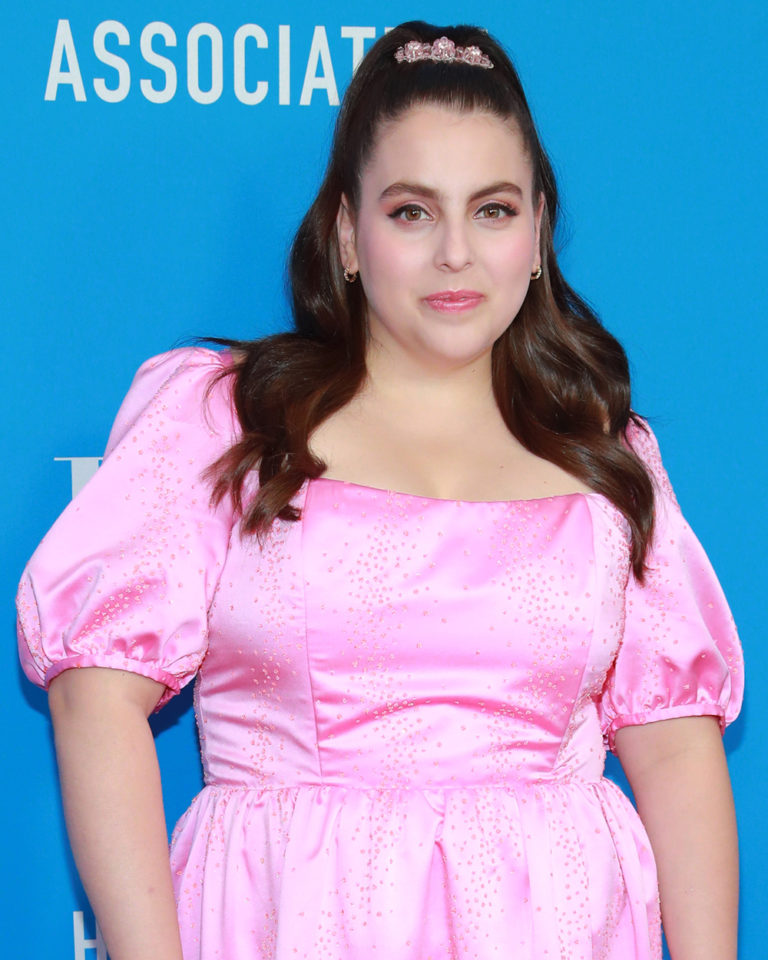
[[156, 158]]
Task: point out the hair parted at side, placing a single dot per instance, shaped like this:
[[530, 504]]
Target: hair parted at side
[[560, 379]]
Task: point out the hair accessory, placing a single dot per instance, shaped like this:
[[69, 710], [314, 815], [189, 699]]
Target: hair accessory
[[536, 274], [349, 276], [442, 51]]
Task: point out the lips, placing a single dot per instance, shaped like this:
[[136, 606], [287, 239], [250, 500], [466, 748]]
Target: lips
[[454, 301]]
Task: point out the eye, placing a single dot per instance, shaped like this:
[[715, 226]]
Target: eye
[[410, 213], [495, 211]]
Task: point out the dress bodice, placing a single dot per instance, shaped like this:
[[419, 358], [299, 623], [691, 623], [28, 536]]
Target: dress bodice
[[392, 640]]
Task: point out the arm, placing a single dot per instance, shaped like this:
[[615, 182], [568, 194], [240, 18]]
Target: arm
[[113, 807], [678, 773]]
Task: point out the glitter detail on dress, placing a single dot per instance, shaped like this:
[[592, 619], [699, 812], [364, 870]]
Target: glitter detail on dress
[[403, 703]]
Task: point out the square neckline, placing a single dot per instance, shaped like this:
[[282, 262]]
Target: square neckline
[[453, 500]]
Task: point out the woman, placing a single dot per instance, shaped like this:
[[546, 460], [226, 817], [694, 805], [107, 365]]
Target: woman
[[402, 696]]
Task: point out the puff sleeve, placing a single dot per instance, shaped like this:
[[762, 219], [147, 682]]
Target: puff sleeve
[[125, 576], [679, 655]]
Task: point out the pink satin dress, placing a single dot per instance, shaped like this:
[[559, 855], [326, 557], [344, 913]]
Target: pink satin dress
[[403, 703]]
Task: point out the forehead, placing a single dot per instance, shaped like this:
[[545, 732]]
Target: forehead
[[441, 146]]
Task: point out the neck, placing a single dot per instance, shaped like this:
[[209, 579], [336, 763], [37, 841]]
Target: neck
[[404, 382]]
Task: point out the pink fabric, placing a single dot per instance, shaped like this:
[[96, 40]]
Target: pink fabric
[[402, 702]]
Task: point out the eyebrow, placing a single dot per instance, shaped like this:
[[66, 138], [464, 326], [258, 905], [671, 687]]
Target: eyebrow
[[421, 190]]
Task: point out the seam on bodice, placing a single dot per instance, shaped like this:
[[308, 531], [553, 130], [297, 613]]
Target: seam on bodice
[[304, 493], [577, 701]]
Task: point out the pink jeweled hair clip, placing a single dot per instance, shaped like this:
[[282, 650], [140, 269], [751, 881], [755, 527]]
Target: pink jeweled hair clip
[[442, 51]]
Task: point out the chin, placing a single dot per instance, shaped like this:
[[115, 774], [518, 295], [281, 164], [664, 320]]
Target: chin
[[451, 355]]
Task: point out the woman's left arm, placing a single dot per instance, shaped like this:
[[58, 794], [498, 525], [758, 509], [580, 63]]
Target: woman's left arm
[[678, 773]]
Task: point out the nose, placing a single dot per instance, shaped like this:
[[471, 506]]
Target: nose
[[454, 245]]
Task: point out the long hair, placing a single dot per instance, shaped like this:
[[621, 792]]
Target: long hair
[[561, 381]]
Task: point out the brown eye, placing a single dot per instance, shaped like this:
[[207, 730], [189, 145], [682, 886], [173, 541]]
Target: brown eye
[[496, 211], [409, 212]]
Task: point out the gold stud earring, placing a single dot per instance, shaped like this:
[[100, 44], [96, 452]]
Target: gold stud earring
[[536, 274], [349, 275]]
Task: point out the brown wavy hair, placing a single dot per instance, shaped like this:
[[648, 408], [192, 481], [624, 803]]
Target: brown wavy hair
[[560, 379]]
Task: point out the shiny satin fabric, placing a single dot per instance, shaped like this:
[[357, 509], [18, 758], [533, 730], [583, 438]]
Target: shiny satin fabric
[[403, 703]]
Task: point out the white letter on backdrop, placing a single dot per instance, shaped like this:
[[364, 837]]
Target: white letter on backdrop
[[120, 92], [284, 90], [63, 43], [358, 35], [164, 30], [193, 62], [81, 944], [243, 95], [81, 471], [327, 81]]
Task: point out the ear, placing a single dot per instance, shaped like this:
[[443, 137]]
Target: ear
[[345, 232]]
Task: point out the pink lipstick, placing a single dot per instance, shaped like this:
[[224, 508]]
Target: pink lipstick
[[454, 301]]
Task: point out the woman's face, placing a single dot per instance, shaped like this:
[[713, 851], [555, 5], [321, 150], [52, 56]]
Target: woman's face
[[446, 235]]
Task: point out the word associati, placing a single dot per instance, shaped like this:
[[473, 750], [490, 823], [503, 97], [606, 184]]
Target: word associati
[[257, 65]]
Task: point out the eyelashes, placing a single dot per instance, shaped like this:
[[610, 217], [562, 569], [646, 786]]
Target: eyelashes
[[415, 213], [404, 213], [499, 209]]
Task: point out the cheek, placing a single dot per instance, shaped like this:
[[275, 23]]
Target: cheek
[[512, 259], [386, 260]]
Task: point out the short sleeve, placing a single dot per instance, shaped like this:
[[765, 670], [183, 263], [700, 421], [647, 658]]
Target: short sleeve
[[679, 655], [125, 576]]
